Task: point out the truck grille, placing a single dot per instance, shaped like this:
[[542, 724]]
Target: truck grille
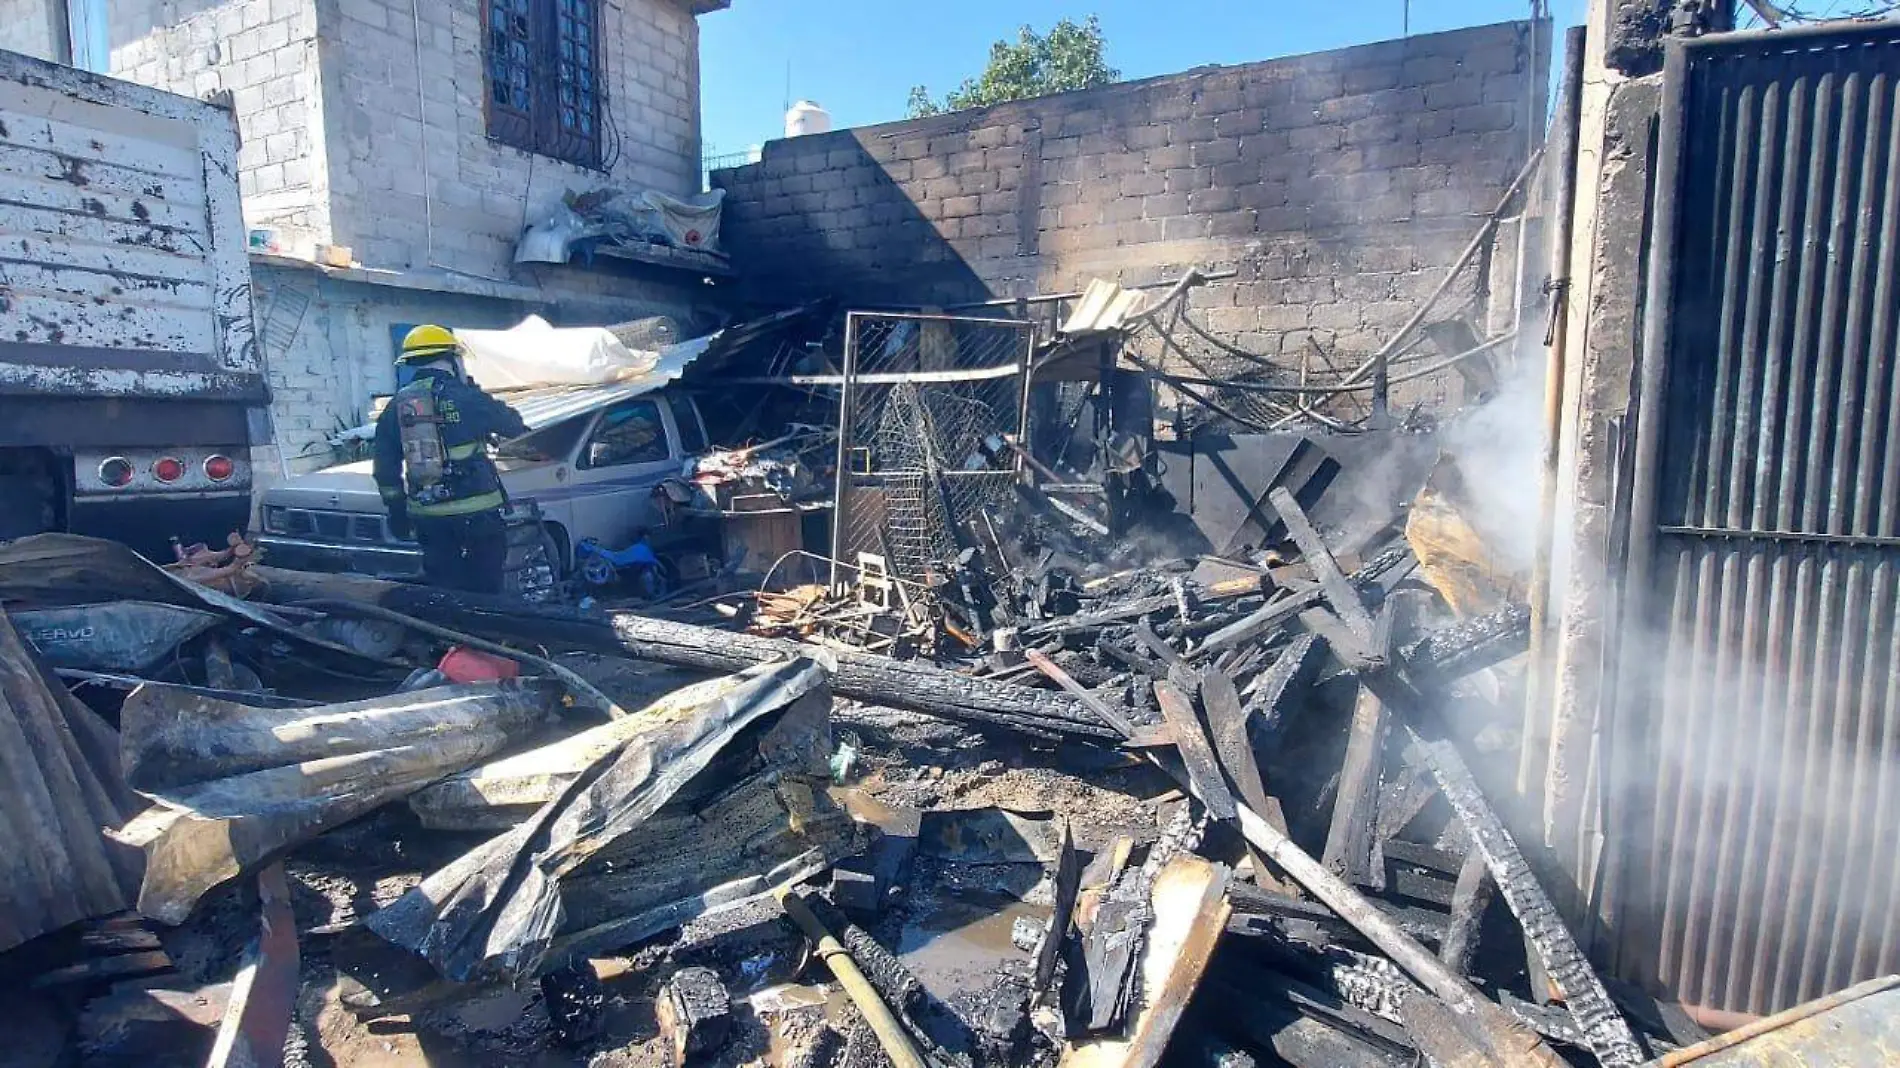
[[331, 526]]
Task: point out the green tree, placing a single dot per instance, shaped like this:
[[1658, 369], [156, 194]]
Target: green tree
[[1068, 57]]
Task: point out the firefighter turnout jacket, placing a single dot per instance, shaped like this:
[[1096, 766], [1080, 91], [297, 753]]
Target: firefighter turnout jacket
[[429, 455]]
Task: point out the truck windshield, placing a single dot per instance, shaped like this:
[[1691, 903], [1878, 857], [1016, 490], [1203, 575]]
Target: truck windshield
[[548, 443]]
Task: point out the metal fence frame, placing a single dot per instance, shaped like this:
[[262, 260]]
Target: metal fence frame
[[998, 371]]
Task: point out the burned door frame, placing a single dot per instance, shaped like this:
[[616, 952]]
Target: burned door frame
[[1747, 793], [1005, 358]]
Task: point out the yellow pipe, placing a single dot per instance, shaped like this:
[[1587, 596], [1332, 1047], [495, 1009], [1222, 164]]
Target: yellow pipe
[[890, 1032]]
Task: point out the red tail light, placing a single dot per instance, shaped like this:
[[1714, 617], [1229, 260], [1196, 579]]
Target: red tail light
[[219, 468], [169, 469], [116, 472]]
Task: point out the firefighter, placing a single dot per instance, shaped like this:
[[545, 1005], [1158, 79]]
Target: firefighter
[[433, 470]]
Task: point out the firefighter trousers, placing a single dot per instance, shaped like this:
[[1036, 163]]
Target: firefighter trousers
[[463, 552]]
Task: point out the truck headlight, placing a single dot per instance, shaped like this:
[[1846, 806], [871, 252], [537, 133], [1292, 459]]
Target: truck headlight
[[275, 521]]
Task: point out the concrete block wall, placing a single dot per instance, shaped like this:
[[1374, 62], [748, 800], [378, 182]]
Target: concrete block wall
[[1340, 185], [418, 183], [262, 52]]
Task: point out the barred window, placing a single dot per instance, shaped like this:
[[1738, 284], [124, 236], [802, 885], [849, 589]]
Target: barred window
[[544, 77]]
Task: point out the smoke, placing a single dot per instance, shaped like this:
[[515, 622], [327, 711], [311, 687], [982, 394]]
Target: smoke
[[1496, 449]]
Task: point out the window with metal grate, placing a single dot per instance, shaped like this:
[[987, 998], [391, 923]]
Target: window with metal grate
[[543, 68]]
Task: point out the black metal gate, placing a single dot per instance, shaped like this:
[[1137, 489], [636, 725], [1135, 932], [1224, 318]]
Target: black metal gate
[[1757, 752]]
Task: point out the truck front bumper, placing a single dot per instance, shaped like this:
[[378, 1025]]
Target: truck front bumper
[[379, 561]]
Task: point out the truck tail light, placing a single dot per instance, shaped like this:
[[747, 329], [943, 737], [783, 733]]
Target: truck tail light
[[169, 469], [116, 472], [219, 468]]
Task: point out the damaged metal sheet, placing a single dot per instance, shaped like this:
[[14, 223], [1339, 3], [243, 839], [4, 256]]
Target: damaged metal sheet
[[59, 784], [234, 785], [499, 795], [497, 911], [63, 570], [127, 636]]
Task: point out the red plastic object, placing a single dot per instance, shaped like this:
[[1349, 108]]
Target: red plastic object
[[462, 664]]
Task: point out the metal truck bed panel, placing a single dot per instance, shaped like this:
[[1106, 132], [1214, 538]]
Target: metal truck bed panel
[[122, 250]]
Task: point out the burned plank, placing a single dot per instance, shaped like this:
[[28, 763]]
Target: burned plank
[[1605, 1033], [1492, 1033], [1202, 768], [264, 994], [1068, 885], [1111, 716], [1469, 899], [1267, 708], [1189, 906], [1339, 592], [1349, 841], [1227, 725]]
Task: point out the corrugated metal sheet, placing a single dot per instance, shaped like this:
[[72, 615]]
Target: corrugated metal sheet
[[1763, 866], [122, 247]]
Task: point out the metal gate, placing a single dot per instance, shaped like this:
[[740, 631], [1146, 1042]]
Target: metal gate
[[930, 406], [1758, 748]]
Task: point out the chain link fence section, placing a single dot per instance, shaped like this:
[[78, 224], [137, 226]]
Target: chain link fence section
[[927, 402]]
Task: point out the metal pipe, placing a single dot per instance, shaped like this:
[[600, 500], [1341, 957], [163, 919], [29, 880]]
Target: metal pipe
[[568, 677], [1053, 298], [843, 479], [1533, 754], [890, 1032], [1763, 1025], [1471, 249]]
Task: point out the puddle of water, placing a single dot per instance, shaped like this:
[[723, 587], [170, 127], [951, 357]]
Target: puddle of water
[[867, 809], [957, 944]]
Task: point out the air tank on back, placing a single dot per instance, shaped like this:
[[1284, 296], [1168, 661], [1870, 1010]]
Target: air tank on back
[[806, 117]]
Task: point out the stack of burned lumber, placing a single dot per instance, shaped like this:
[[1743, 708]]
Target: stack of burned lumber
[[1340, 886]]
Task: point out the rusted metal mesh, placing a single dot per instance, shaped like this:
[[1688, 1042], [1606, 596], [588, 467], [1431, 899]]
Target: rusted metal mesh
[[925, 458]]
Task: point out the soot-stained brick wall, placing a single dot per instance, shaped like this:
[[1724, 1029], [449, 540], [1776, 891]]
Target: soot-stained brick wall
[[1339, 185]]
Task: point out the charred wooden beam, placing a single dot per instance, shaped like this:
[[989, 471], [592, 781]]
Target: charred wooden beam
[[1349, 841], [264, 994], [1191, 742], [1605, 1033], [1068, 886], [1469, 899], [1227, 725], [695, 1015], [1339, 592], [861, 676]]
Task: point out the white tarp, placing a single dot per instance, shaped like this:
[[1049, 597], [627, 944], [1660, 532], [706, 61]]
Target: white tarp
[[533, 353]]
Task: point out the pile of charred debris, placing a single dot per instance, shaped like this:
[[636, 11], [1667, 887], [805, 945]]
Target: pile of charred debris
[[1228, 811]]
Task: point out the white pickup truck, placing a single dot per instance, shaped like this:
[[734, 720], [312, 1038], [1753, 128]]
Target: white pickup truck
[[591, 464]]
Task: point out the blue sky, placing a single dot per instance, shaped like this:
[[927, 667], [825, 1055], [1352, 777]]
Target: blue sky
[[859, 58]]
